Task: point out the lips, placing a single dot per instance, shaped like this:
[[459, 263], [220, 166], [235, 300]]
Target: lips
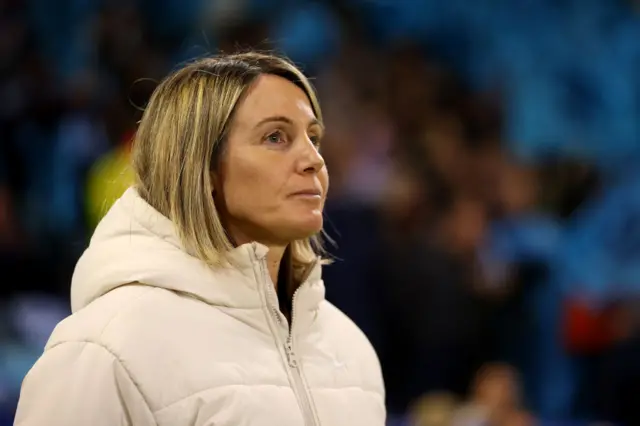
[[311, 193]]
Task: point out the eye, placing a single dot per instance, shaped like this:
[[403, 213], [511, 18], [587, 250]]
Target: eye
[[276, 137], [315, 140]]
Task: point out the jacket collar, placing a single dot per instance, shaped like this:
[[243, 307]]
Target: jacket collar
[[134, 243]]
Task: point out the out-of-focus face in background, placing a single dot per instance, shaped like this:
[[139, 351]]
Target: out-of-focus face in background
[[464, 225], [518, 189], [498, 389], [273, 182], [442, 142]]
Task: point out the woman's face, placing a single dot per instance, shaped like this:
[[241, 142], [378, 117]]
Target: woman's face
[[272, 182]]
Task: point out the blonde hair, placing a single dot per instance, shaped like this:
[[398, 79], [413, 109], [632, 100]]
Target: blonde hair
[[181, 137]]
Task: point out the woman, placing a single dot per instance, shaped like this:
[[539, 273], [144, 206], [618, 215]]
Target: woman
[[199, 300]]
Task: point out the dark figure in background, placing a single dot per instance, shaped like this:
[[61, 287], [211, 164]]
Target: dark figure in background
[[433, 332]]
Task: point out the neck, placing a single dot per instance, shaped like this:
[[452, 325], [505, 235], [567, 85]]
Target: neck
[[274, 258]]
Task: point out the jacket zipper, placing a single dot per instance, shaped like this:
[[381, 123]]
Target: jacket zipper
[[301, 388], [293, 367]]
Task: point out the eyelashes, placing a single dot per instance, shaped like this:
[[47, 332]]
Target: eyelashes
[[280, 137], [276, 138], [316, 140]]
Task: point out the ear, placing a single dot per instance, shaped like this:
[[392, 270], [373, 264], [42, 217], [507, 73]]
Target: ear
[[215, 183], [217, 171]]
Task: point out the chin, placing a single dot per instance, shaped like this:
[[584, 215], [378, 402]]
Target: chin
[[301, 229], [306, 232]]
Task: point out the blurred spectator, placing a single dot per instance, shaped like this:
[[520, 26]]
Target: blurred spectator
[[435, 320], [81, 138], [435, 409], [108, 179], [495, 400]]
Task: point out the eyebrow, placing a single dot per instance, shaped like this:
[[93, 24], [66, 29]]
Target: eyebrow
[[287, 120]]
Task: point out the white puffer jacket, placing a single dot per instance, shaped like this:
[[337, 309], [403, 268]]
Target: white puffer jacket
[[156, 338]]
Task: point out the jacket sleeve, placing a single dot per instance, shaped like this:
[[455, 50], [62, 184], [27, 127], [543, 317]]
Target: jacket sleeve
[[80, 384]]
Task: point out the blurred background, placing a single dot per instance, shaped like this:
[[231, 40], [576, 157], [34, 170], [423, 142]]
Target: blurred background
[[484, 158]]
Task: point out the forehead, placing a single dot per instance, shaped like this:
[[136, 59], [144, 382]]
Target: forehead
[[271, 96]]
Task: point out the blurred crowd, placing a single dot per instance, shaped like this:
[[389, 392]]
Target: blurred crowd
[[484, 197]]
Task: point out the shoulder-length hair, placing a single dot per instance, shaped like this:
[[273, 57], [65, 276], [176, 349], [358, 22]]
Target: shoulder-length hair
[[181, 136]]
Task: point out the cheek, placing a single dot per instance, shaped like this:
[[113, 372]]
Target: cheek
[[241, 184], [323, 176], [250, 187]]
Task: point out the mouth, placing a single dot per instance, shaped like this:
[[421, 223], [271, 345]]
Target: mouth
[[312, 194]]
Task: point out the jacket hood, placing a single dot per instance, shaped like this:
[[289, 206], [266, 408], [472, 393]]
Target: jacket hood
[[134, 243]]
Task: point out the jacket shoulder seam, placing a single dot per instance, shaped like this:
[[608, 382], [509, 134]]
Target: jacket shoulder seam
[[121, 311], [220, 387]]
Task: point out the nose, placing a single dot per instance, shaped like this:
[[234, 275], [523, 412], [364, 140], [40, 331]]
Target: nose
[[311, 161]]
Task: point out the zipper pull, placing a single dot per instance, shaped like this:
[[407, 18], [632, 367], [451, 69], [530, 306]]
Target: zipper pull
[[288, 347]]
